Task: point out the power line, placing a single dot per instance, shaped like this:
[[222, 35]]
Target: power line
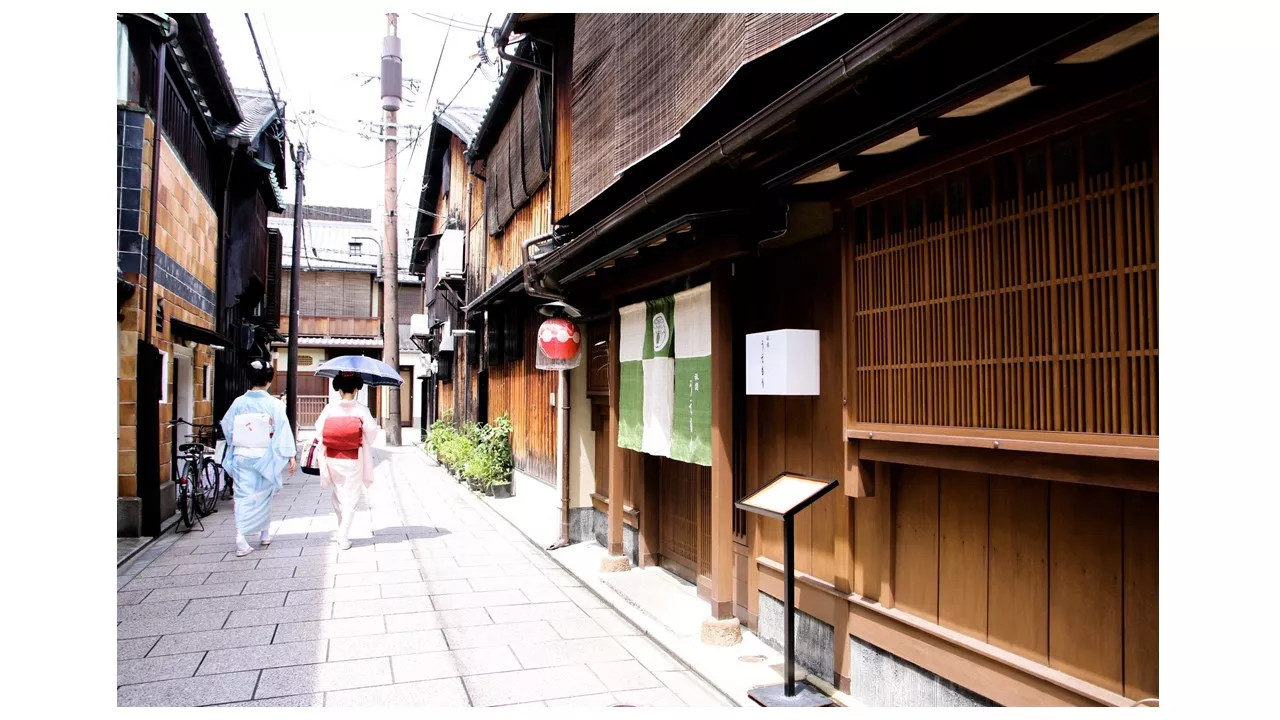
[[430, 89], [464, 86], [265, 74], [462, 26], [279, 65]]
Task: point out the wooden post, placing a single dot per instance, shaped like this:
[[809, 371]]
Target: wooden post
[[722, 388], [649, 513], [617, 560], [885, 498]]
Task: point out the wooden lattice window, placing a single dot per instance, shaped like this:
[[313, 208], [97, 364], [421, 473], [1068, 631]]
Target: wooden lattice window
[[1017, 294]]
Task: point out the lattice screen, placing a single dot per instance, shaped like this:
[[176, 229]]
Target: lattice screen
[[1017, 293]]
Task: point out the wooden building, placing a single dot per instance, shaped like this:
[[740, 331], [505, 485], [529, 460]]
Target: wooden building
[[965, 208], [195, 260]]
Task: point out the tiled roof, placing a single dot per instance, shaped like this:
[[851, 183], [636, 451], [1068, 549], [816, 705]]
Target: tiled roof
[[461, 121], [307, 341], [257, 109]]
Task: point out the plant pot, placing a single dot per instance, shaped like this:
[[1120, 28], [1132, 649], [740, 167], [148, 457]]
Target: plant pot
[[502, 490], [488, 490]]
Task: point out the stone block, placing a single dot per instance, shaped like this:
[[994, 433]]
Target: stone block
[[319, 629], [235, 602], [170, 667], [323, 677], [448, 692], [453, 663], [814, 640], [437, 619], [650, 654], [655, 697], [128, 509], [401, 643], [188, 692], [721, 633], [212, 640], [532, 685], [539, 611], [499, 634], [134, 648], [569, 652], [624, 675]]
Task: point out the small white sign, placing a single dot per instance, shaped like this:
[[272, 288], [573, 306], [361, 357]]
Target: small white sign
[[782, 362]]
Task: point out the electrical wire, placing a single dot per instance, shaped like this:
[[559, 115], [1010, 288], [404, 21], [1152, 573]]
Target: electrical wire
[[265, 74], [430, 89], [462, 24], [464, 86], [284, 81]]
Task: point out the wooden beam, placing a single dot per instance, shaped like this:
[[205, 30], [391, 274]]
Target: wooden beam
[[1107, 472], [695, 255], [722, 388], [649, 552], [889, 531], [614, 535], [933, 127]]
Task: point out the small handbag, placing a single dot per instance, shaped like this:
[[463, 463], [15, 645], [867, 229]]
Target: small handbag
[[311, 465]]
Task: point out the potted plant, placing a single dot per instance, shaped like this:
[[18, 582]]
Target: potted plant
[[495, 462], [438, 434]]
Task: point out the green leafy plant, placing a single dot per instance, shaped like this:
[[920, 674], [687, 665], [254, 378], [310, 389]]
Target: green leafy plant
[[491, 462]]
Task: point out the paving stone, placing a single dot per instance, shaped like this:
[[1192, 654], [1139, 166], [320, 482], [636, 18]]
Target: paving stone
[[579, 628], [569, 652], [323, 677], [155, 571], [169, 667], [212, 567], [331, 595], [247, 575], [379, 578], [479, 599], [624, 675], [135, 648], [127, 597], [654, 697], [505, 688], [538, 594], [690, 689], [431, 693], [318, 582], [152, 583], [298, 562], [503, 634], [318, 629], [613, 622], [653, 657], [335, 569], [197, 691], [466, 617], [212, 640], [387, 606], [169, 608], [277, 615], [235, 602], [166, 625], [522, 570], [584, 598], [503, 582], [487, 559], [453, 663], [194, 591], [401, 643], [391, 565], [433, 587], [265, 656], [603, 700], [539, 611], [311, 700]]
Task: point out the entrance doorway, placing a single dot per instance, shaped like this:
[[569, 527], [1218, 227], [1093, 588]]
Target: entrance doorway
[[406, 397], [183, 391], [684, 527]]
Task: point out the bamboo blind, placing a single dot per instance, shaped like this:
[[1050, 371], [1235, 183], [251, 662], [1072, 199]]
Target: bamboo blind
[[1017, 293]]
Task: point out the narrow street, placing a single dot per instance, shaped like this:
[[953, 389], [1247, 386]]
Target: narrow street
[[439, 602]]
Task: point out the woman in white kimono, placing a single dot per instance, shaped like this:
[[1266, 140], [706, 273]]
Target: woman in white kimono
[[260, 445], [346, 431]]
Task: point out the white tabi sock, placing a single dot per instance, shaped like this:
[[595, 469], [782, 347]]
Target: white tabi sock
[[264, 536], [241, 543]]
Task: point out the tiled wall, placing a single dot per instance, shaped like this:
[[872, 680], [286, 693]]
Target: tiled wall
[[186, 275]]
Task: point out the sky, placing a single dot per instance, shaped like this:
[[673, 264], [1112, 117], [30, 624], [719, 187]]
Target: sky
[[311, 58]]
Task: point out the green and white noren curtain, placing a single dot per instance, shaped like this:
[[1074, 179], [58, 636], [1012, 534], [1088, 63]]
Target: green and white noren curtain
[[664, 353]]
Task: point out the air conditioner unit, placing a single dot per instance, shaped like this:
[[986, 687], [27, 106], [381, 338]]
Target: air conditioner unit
[[446, 337], [419, 326], [452, 247]]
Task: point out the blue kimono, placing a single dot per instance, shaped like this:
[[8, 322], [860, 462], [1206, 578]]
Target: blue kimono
[[258, 478]]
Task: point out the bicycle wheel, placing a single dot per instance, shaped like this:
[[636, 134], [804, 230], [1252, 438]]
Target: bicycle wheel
[[208, 486], [186, 498]]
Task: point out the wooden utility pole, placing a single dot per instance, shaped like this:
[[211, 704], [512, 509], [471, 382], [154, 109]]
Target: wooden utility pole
[[291, 388], [391, 74]]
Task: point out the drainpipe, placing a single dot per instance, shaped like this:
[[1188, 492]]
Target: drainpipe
[[531, 286], [562, 461], [169, 33]]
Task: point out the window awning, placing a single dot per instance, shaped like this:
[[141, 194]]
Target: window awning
[[197, 334]]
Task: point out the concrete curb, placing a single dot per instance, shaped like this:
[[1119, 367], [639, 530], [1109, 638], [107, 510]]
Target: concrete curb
[[165, 527]]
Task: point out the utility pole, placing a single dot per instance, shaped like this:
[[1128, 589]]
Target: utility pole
[[291, 405], [391, 94]]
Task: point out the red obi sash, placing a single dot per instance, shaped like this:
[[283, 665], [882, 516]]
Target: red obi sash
[[342, 437]]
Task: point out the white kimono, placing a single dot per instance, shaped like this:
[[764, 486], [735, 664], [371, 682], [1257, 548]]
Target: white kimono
[[348, 477]]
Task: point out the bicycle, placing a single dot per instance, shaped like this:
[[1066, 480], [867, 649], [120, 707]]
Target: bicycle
[[199, 478]]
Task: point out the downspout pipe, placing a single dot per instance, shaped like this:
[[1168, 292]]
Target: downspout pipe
[[169, 32], [562, 459], [903, 30], [531, 286]]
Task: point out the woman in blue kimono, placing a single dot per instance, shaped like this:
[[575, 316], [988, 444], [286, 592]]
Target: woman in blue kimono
[[260, 445]]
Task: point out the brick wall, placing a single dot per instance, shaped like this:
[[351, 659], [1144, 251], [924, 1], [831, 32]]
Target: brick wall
[[186, 275]]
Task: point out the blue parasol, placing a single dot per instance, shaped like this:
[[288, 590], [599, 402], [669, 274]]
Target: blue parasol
[[372, 372]]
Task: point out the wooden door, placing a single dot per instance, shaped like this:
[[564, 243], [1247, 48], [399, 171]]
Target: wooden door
[[680, 493], [406, 397]]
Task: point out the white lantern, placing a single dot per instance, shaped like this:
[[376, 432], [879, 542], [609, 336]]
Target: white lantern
[[783, 362]]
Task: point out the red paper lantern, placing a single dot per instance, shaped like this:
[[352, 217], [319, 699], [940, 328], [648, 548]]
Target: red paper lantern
[[559, 339]]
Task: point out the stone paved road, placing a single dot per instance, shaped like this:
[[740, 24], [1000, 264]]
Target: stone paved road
[[439, 602]]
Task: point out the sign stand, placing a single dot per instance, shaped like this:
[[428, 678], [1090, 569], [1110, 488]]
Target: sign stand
[[783, 498]]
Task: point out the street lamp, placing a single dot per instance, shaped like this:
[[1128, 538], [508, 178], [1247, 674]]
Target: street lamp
[[378, 273]]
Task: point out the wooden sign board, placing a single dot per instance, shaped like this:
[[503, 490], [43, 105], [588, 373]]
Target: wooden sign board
[[786, 495]]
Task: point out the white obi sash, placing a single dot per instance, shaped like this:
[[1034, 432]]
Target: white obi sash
[[251, 434]]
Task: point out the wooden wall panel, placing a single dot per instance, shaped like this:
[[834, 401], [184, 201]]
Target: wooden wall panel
[[1141, 595], [866, 548], [1018, 583], [1085, 601], [504, 253], [915, 580], [524, 392], [962, 553]]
